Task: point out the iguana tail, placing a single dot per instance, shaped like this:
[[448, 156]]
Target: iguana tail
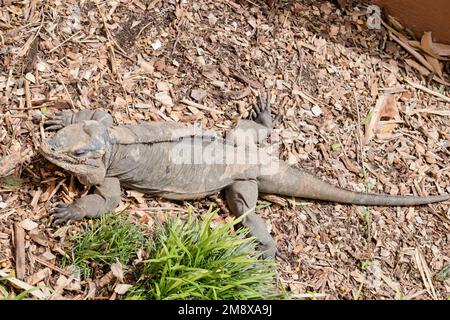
[[289, 181]]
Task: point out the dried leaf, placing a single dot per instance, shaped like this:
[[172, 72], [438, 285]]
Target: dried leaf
[[120, 102], [427, 43], [139, 196], [163, 86], [28, 224], [349, 164], [386, 108], [106, 279], [145, 65], [212, 19], [38, 237], [70, 284], [156, 44], [41, 66], [441, 49], [198, 95], [316, 110], [117, 270], [423, 71], [8, 164], [275, 199], [23, 285], [164, 98], [30, 77], [413, 52], [39, 276], [122, 288]]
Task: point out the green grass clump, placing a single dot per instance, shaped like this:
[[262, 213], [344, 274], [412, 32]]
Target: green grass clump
[[191, 260], [186, 259], [109, 239]]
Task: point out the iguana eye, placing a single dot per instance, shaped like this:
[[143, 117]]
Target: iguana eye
[[79, 152]]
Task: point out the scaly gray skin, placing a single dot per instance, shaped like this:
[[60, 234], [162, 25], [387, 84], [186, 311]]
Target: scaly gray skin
[[141, 157]]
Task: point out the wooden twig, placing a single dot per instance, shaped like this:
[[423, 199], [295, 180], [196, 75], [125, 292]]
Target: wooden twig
[[444, 113], [112, 56], [413, 52], [19, 241], [8, 83], [223, 208], [126, 56], [359, 138], [40, 102], [425, 273], [151, 209], [23, 51], [305, 96], [51, 266], [60, 288], [112, 53], [252, 83], [27, 94], [55, 190], [60, 80], [152, 4], [425, 89], [180, 26], [399, 38], [68, 39], [142, 29], [112, 59], [199, 106], [41, 130]]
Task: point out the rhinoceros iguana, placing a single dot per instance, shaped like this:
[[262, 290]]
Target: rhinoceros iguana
[[145, 157]]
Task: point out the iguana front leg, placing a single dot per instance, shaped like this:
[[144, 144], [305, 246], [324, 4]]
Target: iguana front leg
[[66, 117], [106, 197]]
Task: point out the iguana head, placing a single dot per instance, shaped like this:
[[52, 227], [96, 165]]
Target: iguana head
[[79, 148]]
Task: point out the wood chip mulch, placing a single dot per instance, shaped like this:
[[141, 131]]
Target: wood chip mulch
[[351, 106]]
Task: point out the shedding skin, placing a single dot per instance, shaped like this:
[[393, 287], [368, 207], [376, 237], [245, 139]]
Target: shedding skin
[[147, 157]]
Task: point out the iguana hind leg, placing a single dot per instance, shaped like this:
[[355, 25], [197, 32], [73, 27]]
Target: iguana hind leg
[[257, 129], [106, 197], [241, 198], [262, 112]]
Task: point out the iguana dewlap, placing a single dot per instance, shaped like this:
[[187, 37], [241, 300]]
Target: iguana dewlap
[[142, 157]]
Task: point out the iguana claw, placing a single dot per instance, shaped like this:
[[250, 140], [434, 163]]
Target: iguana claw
[[261, 112], [269, 250], [63, 213], [58, 121]]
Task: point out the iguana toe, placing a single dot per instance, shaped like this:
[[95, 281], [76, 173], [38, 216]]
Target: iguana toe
[[54, 127], [58, 121], [261, 112], [62, 213], [268, 250]]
